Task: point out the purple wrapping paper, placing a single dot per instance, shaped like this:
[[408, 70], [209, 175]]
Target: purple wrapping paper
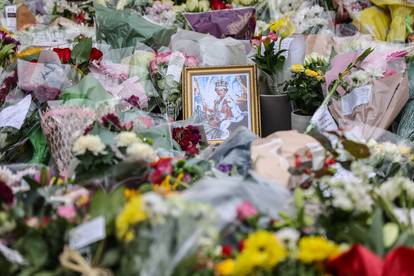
[[236, 23]]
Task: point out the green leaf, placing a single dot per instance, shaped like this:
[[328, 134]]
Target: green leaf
[[358, 150], [82, 51], [376, 239], [107, 205]]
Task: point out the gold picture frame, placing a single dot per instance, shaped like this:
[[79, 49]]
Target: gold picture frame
[[222, 97]]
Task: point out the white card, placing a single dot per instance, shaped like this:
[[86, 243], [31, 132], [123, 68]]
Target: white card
[[358, 96], [13, 116], [284, 46], [49, 74], [323, 120], [175, 66], [87, 233], [318, 155], [11, 17], [12, 255]]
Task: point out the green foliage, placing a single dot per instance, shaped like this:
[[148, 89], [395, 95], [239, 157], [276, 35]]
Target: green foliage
[[305, 92], [270, 62]]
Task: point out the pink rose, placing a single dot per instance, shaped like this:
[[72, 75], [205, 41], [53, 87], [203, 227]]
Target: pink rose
[[246, 210], [67, 212], [191, 61]]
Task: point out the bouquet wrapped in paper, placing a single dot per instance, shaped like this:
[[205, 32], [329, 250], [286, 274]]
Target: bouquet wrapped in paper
[[375, 92], [237, 23]]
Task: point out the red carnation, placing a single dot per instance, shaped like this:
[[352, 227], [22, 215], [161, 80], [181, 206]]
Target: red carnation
[[64, 54], [356, 261], [161, 168], [399, 262], [95, 54], [6, 193], [226, 250]]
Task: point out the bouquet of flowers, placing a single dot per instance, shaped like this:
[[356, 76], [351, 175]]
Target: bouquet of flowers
[[82, 12], [305, 87], [270, 56], [165, 70], [8, 48]]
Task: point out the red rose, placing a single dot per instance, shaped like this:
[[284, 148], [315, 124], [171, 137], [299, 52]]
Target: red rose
[[64, 54], [218, 5], [6, 193], [226, 250], [399, 262], [95, 54], [356, 261], [241, 245]]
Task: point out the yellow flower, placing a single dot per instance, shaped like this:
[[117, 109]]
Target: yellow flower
[[28, 52], [178, 180], [132, 214], [297, 68], [404, 150], [283, 27], [261, 250], [225, 268], [129, 193], [311, 73], [316, 249]]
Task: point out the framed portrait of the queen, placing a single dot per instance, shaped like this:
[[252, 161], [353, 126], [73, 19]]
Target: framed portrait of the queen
[[222, 98]]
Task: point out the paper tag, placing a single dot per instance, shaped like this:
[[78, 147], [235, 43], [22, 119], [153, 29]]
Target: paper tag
[[87, 233], [358, 96], [175, 66], [13, 116], [12, 255], [318, 155], [49, 74], [11, 17], [323, 120]]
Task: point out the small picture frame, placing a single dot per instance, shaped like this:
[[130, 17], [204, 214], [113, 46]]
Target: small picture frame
[[222, 98]]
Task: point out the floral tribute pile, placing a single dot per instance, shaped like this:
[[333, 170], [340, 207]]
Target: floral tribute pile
[[100, 174]]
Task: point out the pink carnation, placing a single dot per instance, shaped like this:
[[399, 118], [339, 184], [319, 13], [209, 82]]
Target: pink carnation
[[67, 212], [246, 210]]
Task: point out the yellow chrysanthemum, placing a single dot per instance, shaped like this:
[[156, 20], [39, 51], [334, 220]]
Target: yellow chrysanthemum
[[28, 52], [297, 68], [283, 27], [225, 268], [316, 249], [178, 181], [132, 214], [261, 251], [311, 73], [130, 193]]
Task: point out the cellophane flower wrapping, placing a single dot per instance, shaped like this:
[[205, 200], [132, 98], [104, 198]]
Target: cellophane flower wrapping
[[127, 27], [46, 78]]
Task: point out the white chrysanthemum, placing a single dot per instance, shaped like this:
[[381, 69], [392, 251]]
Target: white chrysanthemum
[[393, 187], [192, 5], [91, 143], [350, 193], [7, 176], [141, 151], [289, 236], [126, 138]]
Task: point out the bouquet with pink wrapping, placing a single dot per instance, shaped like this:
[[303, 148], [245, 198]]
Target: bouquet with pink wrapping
[[373, 93]]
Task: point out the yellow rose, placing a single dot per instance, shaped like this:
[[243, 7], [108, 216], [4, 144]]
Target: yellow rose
[[311, 73], [297, 68], [225, 268]]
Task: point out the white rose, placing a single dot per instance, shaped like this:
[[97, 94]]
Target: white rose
[[126, 138], [92, 143], [141, 151]]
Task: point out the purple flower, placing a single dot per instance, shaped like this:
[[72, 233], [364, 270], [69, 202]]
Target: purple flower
[[225, 168]]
